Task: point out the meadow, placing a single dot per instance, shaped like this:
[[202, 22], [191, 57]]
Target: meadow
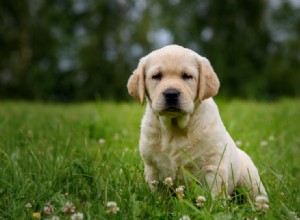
[[61, 159]]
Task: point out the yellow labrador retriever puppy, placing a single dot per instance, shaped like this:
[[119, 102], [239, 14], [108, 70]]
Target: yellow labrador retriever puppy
[[182, 128]]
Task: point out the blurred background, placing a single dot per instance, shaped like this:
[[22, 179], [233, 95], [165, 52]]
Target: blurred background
[[75, 50]]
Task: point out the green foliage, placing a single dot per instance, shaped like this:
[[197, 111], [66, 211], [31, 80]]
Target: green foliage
[[78, 50], [87, 154]]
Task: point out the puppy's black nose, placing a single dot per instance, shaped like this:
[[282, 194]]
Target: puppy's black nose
[[171, 95]]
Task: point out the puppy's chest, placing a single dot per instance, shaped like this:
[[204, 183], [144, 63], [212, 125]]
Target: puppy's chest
[[174, 152], [172, 145]]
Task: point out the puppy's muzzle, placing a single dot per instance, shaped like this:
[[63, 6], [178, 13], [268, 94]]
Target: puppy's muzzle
[[171, 97]]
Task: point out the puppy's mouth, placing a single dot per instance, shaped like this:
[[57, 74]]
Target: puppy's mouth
[[171, 110]]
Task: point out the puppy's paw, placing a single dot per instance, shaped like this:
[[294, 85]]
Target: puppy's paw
[[153, 184], [262, 203]]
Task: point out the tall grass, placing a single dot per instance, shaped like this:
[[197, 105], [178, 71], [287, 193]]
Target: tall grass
[[87, 154]]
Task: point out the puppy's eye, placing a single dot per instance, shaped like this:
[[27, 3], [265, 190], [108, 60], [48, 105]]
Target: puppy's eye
[[157, 76], [186, 76]]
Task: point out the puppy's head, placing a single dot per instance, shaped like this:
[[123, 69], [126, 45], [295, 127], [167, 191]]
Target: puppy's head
[[173, 78]]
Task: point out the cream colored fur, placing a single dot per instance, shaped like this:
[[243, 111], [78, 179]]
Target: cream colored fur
[[193, 138]]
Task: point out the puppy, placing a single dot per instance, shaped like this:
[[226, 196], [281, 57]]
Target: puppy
[[182, 129]]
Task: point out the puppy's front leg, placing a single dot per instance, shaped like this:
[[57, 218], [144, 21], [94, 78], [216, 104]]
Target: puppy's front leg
[[216, 181], [250, 177], [151, 175]]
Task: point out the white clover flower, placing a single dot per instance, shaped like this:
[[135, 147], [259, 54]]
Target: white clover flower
[[53, 218], [262, 203], [271, 138], [185, 217], [77, 216], [69, 208], [238, 143], [116, 137], [112, 207], [101, 141], [263, 143], [28, 205], [293, 215], [48, 209], [168, 181], [200, 201], [179, 191]]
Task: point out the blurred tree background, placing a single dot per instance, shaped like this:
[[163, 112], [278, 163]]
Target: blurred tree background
[[72, 50]]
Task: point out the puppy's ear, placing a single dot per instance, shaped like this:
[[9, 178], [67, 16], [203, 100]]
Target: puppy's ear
[[208, 81], [136, 82]]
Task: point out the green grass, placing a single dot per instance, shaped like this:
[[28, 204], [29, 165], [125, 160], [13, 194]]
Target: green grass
[[50, 154]]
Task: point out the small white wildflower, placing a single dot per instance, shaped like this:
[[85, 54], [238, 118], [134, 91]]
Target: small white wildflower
[[238, 143], [116, 137], [185, 217], [262, 203], [200, 201], [293, 215], [263, 143], [101, 141], [28, 205], [77, 216], [271, 138], [168, 181], [179, 192], [53, 218], [69, 208], [112, 207], [48, 209]]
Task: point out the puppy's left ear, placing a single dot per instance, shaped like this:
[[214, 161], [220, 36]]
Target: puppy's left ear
[[136, 82], [209, 83]]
